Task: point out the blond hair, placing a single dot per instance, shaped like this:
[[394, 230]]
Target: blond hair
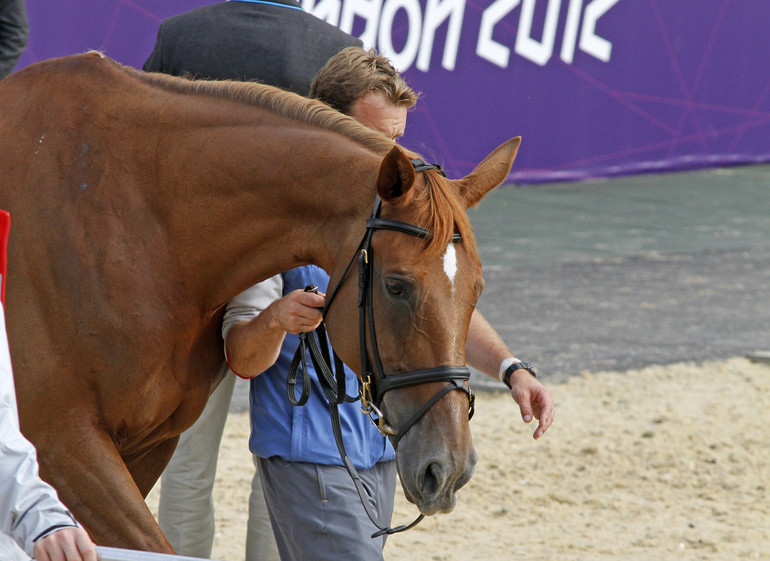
[[354, 72]]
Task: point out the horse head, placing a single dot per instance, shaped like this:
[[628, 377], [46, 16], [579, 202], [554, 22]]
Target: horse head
[[420, 277]]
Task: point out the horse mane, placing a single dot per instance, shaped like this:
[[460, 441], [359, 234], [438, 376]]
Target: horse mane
[[281, 102], [441, 209]]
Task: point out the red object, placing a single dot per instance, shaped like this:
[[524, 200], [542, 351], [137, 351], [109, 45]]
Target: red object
[[5, 227]]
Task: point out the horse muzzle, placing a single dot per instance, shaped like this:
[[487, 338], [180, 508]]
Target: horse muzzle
[[431, 479]]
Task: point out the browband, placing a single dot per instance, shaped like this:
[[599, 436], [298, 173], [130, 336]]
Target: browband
[[382, 224]]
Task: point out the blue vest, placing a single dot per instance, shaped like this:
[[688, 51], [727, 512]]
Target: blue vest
[[304, 434]]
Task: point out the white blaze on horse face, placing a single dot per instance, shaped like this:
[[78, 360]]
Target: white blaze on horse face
[[450, 269], [450, 263]]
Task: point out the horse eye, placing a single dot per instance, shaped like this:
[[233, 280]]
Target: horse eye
[[395, 288]]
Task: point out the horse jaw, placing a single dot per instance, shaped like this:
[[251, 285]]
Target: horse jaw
[[490, 173]]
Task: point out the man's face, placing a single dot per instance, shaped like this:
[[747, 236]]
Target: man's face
[[377, 112]]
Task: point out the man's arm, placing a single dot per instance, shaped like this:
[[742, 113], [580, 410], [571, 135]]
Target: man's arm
[[486, 351], [257, 321]]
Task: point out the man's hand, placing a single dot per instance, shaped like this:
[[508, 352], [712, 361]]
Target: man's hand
[[298, 311], [534, 400], [70, 544], [254, 345]]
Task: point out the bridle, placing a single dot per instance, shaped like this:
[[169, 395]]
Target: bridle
[[372, 391]]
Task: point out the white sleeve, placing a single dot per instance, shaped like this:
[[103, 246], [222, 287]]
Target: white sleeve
[[29, 508], [250, 303]]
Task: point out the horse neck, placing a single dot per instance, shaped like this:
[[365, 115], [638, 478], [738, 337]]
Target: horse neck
[[261, 219]]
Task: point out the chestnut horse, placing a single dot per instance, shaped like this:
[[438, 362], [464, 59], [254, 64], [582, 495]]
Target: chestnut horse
[[142, 203]]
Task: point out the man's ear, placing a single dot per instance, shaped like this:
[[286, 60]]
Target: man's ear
[[396, 176]]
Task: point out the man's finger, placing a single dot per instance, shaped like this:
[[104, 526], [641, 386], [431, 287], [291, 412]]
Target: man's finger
[[312, 299], [526, 414], [545, 422], [525, 407]]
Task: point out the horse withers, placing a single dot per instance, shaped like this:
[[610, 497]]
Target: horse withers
[[142, 203]]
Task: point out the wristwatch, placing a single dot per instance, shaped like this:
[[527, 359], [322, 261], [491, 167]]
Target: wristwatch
[[516, 366]]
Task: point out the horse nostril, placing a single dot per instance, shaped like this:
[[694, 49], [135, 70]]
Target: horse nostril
[[431, 480]]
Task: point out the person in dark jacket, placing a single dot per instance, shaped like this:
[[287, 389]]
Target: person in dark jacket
[[14, 32], [274, 42]]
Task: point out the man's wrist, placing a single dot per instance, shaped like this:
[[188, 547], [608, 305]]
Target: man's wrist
[[504, 365], [513, 367]]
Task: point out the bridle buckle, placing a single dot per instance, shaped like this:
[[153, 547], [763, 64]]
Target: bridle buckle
[[369, 408]]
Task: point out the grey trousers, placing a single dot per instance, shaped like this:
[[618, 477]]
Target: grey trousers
[[316, 512]]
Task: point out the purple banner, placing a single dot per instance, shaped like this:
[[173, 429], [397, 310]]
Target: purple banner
[[594, 87]]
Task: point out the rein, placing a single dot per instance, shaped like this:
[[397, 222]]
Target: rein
[[330, 369]]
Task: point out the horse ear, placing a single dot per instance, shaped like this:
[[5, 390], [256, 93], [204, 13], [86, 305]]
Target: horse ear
[[490, 173], [396, 175]]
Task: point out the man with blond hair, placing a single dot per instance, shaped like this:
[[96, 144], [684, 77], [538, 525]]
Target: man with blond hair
[[364, 85], [313, 503]]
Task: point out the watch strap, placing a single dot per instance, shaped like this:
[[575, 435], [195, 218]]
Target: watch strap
[[517, 366]]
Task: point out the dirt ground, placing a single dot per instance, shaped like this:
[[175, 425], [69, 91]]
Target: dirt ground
[[669, 462]]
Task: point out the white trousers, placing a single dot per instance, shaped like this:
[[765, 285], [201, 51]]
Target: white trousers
[[186, 509]]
